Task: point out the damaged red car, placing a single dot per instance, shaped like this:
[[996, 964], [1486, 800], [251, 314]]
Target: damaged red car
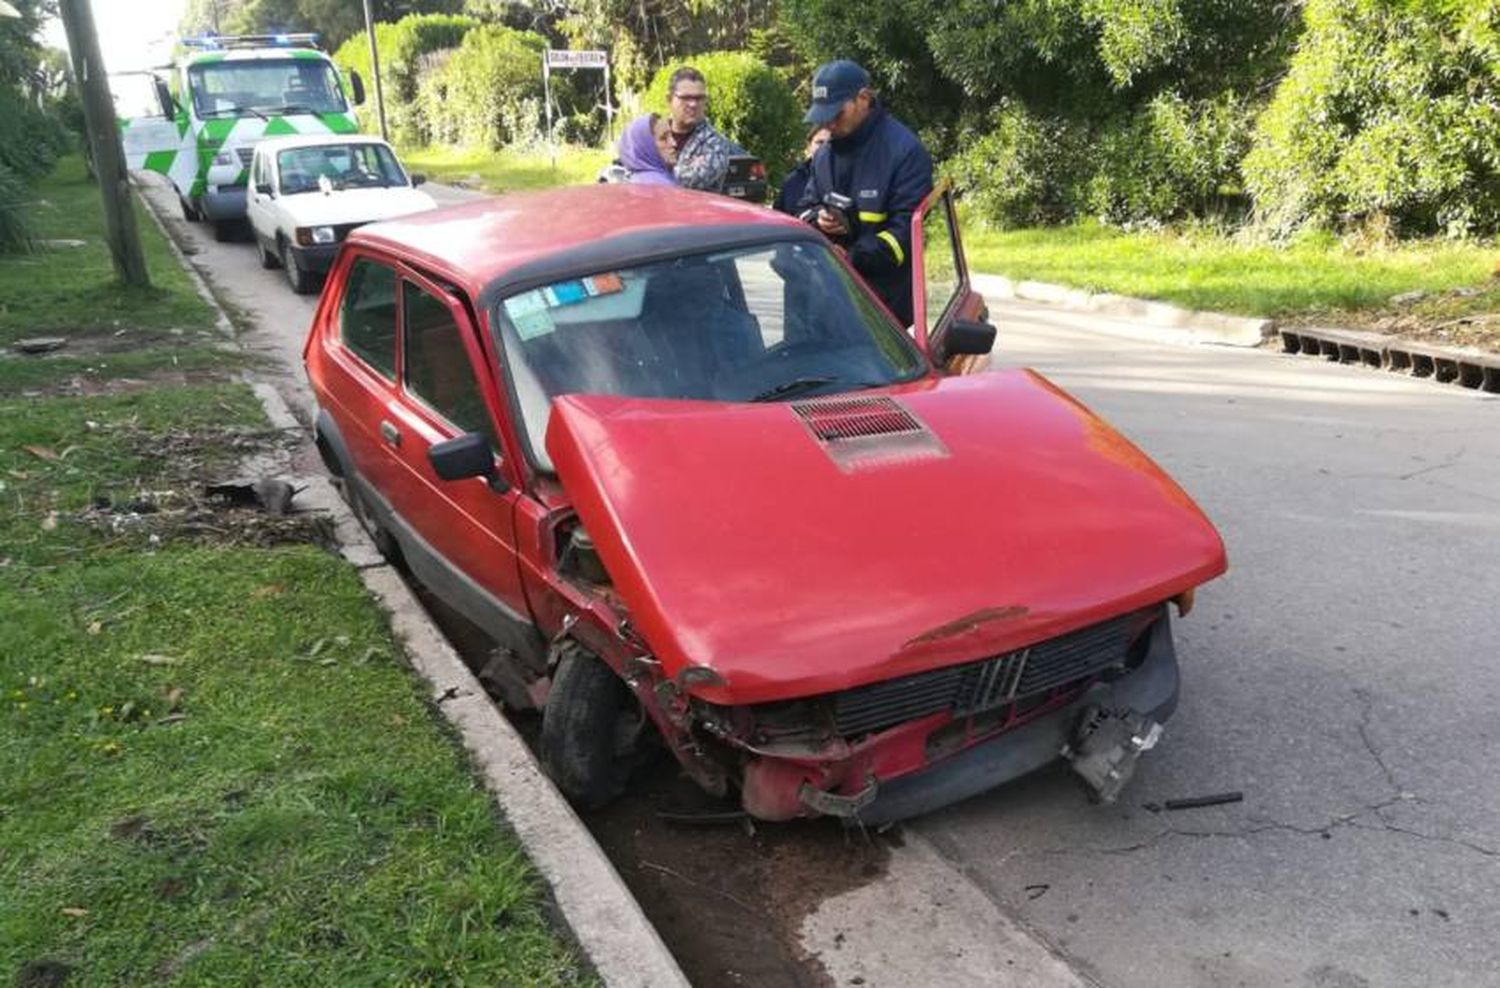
[[694, 479]]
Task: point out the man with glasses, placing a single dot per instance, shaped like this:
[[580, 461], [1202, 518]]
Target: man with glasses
[[880, 166], [702, 152]]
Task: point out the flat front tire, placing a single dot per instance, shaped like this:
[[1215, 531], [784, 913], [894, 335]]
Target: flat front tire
[[591, 729]]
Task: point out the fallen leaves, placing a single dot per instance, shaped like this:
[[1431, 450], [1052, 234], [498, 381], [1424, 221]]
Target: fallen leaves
[[42, 453], [74, 911], [157, 659]]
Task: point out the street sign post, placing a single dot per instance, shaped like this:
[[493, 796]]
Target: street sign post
[[564, 60]]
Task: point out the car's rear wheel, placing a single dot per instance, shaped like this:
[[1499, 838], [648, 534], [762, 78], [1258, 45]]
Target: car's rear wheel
[[300, 280], [385, 542], [593, 729], [189, 211]]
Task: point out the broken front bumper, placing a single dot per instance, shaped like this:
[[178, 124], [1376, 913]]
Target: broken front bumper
[[870, 792]]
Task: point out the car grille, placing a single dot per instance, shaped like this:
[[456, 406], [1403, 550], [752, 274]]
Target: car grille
[[975, 687]]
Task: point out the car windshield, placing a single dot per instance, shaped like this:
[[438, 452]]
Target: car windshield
[[347, 166], [265, 86], [763, 323]]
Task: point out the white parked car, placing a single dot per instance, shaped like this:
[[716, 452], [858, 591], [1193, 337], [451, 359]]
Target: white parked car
[[307, 192]]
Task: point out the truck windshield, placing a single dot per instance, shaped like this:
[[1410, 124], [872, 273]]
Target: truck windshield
[[300, 85], [762, 323]]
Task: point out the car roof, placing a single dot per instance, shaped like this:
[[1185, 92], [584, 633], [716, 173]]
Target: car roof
[[280, 53], [478, 242], [315, 140]]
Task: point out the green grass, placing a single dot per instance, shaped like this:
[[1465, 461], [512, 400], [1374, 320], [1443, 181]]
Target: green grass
[[506, 170], [21, 373], [71, 291], [215, 767], [1202, 270]]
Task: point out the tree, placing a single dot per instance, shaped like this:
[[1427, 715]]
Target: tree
[[335, 21]]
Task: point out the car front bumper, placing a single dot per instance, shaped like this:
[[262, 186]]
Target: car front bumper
[[317, 259], [893, 776]]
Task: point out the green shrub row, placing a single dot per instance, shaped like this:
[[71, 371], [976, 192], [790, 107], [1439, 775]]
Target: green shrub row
[[403, 45], [485, 93], [1170, 159], [31, 140]]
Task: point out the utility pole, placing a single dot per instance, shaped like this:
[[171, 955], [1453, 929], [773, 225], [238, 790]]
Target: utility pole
[[104, 142], [375, 72]]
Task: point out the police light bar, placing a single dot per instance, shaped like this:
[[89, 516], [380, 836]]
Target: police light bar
[[217, 42]]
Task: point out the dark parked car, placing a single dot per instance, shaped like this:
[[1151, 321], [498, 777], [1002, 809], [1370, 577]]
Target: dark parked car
[[677, 459]]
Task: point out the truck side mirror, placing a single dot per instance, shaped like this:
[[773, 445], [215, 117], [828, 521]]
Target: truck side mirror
[[357, 85], [164, 99]]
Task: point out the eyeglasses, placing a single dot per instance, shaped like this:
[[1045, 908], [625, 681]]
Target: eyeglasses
[[691, 97]]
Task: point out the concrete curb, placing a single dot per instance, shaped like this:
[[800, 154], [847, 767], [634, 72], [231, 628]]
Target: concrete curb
[[603, 917], [1170, 323], [1475, 370]]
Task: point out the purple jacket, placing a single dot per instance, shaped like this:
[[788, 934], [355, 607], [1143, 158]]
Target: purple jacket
[[639, 156]]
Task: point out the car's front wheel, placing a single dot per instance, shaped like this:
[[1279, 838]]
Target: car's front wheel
[[268, 258], [593, 729], [301, 281]]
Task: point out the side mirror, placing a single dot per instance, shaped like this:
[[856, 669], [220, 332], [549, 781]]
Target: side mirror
[[264, 189], [164, 99], [965, 339], [357, 85], [417, 178], [467, 456]]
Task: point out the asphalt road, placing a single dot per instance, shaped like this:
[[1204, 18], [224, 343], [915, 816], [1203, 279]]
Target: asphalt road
[[1343, 676]]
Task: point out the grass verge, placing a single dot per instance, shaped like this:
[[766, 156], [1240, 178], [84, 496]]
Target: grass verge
[[71, 291], [1316, 278], [507, 170], [214, 765]]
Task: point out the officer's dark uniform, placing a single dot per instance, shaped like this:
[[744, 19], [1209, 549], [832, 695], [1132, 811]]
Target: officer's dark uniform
[[885, 169]]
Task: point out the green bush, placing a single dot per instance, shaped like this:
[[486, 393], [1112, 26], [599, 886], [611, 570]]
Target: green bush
[[1023, 170], [1390, 113], [30, 140], [1170, 160], [15, 234], [748, 102], [402, 47], [487, 92]]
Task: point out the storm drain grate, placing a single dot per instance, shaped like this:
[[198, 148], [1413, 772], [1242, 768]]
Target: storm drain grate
[[1475, 371]]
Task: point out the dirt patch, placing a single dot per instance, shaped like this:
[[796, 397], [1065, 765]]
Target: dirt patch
[[43, 974], [728, 898]]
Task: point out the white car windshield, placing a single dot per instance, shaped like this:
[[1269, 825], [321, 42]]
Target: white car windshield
[[346, 166], [265, 86], [763, 323]]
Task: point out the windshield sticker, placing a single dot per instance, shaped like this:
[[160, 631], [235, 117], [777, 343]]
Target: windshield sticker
[[565, 293], [528, 313], [604, 284]]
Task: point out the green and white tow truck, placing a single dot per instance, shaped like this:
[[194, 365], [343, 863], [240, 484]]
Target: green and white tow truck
[[228, 93]]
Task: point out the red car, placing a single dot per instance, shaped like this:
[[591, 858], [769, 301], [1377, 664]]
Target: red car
[[678, 460]]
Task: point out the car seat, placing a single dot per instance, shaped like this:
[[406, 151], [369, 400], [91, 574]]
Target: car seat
[[695, 329]]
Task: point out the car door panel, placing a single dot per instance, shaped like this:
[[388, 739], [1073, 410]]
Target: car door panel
[[466, 527], [942, 292]]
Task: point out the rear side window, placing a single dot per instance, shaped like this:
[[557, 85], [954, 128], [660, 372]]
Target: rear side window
[[437, 367], [367, 318]]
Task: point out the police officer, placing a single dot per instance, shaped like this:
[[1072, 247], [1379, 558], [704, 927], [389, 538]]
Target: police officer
[[878, 164]]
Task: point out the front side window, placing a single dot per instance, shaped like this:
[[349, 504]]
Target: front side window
[[346, 166], [436, 366], [761, 323], [367, 315], [940, 267], [235, 87]]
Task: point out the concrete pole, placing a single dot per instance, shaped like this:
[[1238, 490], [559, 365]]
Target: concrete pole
[[375, 72], [104, 142]]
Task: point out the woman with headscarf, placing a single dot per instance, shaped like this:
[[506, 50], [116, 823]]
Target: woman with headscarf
[[647, 152]]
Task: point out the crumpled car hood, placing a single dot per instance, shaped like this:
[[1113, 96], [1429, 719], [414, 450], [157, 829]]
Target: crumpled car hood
[[793, 565]]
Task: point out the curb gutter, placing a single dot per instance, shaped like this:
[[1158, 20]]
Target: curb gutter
[[1174, 324], [1472, 369], [605, 920]]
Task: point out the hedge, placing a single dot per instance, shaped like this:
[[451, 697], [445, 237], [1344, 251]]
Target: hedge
[[402, 47], [487, 92]]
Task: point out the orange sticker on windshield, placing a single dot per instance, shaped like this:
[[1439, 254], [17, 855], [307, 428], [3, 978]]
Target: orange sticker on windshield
[[604, 284]]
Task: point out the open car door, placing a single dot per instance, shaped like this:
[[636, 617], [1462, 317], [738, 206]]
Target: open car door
[[942, 296], [153, 129]]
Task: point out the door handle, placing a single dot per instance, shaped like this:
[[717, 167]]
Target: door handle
[[390, 433]]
